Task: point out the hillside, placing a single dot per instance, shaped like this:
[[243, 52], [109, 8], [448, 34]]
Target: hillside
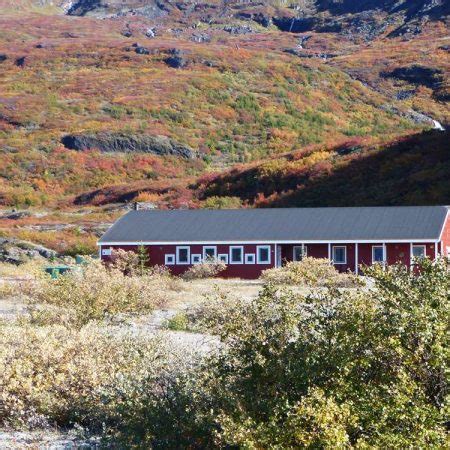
[[110, 103]]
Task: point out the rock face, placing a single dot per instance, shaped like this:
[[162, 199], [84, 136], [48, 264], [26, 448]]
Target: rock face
[[116, 142], [17, 252]]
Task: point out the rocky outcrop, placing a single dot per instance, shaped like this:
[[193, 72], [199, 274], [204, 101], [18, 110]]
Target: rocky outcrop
[[128, 143], [15, 251]]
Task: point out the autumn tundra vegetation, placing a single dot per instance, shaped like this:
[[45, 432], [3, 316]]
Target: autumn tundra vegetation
[[314, 360], [271, 117]]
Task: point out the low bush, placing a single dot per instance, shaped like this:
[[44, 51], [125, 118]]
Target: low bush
[[95, 292], [179, 322], [333, 369], [206, 269], [309, 272], [59, 376]]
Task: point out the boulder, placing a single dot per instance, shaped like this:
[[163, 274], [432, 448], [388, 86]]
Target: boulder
[[142, 50], [128, 143], [3, 57], [15, 251], [20, 62], [176, 60]]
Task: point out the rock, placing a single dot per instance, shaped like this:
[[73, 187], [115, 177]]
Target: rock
[[414, 116], [302, 40], [240, 29], [405, 94], [127, 33], [151, 32], [20, 62], [176, 60], [295, 25], [15, 251], [200, 37], [260, 18], [142, 50], [15, 215], [302, 54], [118, 142]]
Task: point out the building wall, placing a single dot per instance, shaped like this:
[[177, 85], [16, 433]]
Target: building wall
[[395, 252], [157, 254], [445, 240]]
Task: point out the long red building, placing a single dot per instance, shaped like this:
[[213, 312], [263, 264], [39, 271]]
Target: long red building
[[249, 241]]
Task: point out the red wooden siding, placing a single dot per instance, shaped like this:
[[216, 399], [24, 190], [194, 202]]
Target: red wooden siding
[[445, 240], [157, 254], [395, 252]]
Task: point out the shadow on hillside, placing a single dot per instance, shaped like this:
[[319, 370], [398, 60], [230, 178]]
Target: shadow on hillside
[[414, 170]]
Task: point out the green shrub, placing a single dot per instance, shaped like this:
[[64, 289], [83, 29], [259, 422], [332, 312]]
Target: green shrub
[[179, 322], [60, 376], [309, 272], [95, 292], [206, 269]]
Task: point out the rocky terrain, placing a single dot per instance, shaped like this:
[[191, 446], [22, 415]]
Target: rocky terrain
[[110, 142]]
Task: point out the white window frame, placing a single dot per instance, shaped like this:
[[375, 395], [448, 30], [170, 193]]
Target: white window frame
[[258, 259], [250, 258], [167, 259], [232, 247], [223, 257], [419, 246], [205, 247], [301, 247], [345, 254], [196, 258], [183, 247], [373, 254], [107, 251]]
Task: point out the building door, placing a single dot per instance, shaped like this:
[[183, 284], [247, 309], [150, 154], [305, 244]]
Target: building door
[[278, 256]]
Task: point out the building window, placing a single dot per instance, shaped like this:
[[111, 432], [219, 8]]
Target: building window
[[209, 253], [250, 258], [299, 252], [196, 259], [106, 251], [169, 260], [183, 255], [236, 254], [263, 254], [377, 254], [418, 251], [339, 255], [223, 257]]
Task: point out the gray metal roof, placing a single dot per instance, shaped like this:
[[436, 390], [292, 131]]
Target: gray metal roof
[[288, 224]]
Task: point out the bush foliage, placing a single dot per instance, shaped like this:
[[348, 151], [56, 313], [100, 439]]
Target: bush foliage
[[96, 292], [363, 369], [336, 368], [309, 272]]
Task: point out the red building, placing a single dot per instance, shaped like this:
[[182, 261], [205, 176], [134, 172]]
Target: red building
[[252, 240]]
